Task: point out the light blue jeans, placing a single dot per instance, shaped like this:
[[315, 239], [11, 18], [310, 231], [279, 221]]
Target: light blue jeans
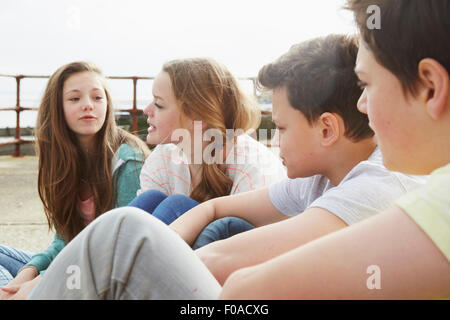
[[11, 261], [127, 254], [169, 208]]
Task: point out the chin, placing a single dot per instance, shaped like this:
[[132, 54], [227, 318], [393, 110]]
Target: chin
[[291, 174], [151, 141]]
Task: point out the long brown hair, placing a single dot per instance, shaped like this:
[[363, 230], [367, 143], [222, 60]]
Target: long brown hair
[[64, 166], [206, 90]]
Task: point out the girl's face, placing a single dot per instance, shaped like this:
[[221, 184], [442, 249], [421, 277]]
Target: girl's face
[[163, 113], [84, 104]]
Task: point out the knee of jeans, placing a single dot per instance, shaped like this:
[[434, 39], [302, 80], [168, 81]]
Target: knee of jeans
[[153, 194], [179, 197]]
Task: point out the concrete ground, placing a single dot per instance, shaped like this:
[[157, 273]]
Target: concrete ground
[[23, 224]]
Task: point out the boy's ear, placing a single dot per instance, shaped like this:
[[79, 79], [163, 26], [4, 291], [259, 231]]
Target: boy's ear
[[435, 83], [328, 124]]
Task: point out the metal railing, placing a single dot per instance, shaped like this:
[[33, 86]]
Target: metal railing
[[134, 112]]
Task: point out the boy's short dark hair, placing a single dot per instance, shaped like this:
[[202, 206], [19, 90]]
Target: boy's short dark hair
[[410, 30], [319, 77]]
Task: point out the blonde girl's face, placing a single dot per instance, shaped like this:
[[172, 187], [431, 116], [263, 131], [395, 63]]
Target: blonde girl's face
[[163, 113], [84, 104]]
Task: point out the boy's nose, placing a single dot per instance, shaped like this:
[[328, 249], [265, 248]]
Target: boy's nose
[[362, 103]]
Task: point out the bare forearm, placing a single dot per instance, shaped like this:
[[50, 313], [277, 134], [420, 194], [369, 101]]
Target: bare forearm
[[264, 243], [253, 206], [337, 266], [190, 224], [225, 256]]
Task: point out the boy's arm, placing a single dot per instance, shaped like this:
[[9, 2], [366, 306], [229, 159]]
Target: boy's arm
[[344, 265], [261, 244], [253, 206]]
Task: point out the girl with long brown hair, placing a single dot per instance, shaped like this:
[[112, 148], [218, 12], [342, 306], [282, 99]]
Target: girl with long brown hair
[[87, 165], [200, 119]]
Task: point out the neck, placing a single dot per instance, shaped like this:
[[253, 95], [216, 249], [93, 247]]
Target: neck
[[87, 144], [346, 157]]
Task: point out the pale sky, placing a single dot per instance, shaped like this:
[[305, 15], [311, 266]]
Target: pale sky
[[135, 37]]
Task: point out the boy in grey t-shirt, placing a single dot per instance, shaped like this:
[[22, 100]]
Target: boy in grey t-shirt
[[366, 189]]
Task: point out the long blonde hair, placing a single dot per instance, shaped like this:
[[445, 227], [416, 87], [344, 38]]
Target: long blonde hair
[[64, 166], [206, 90]]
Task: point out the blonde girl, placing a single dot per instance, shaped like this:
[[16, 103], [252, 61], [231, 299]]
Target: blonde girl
[[201, 94]]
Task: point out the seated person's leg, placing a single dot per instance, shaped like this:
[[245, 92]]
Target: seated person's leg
[[12, 260], [5, 276], [221, 229], [172, 207], [125, 254], [148, 200]]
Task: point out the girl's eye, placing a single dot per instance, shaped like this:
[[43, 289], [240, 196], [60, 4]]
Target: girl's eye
[[158, 106], [74, 99], [98, 98], [361, 84]]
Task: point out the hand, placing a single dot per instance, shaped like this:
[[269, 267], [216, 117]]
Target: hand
[[6, 293], [13, 286], [20, 291]]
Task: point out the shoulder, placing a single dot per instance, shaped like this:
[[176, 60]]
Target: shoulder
[[434, 195], [128, 152], [167, 154], [428, 207], [252, 165], [253, 154], [373, 174], [248, 142]]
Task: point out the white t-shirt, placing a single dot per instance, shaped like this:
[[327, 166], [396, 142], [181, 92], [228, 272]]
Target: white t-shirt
[[250, 165], [367, 189]]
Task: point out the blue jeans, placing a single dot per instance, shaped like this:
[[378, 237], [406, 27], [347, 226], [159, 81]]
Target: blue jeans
[[169, 208], [165, 208], [221, 229], [11, 261]]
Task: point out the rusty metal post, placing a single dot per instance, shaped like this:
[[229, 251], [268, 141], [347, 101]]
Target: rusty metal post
[[134, 113], [17, 152], [254, 87]]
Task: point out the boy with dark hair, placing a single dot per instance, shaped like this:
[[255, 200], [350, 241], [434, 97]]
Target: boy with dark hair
[[404, 69], [337, 179], [335, 170]]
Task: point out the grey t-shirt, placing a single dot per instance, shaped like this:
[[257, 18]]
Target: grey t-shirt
[[367, 189]]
